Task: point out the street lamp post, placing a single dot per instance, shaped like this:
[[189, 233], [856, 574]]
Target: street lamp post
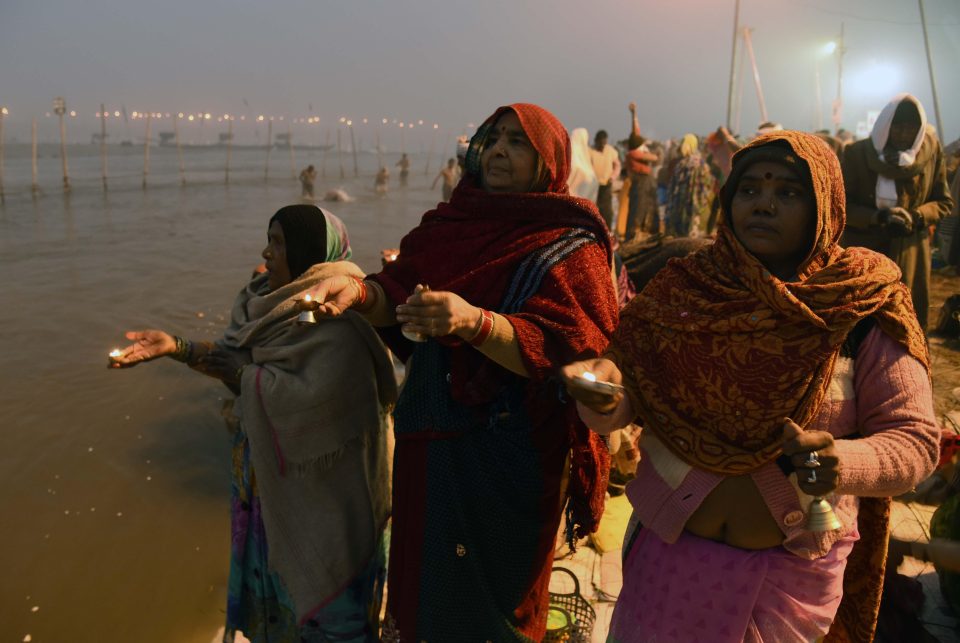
[[353, 146], [60, 108]]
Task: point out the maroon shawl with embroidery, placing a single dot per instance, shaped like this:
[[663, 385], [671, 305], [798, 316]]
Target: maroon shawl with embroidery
[[473, 246]]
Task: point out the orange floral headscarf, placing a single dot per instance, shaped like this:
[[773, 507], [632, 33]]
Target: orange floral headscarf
[[716, 350]]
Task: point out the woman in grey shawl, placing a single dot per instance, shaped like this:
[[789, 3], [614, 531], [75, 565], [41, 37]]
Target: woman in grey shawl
[[310, 492]]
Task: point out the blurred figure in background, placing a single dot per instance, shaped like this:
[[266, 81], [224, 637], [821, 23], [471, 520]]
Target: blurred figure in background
[[690, 191], [582, 180], [896, 184], [606, 165]]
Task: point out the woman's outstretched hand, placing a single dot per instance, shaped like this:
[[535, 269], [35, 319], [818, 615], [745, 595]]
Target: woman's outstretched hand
[[604, 370], [147, 345], [331, 297], [816, 476], [438, 313]]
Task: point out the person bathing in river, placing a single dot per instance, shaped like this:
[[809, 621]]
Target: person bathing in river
[[381, 183], [309, 493], [450, 175], [767, 368]]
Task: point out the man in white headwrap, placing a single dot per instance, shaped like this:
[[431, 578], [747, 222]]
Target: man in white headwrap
[[896, 185]]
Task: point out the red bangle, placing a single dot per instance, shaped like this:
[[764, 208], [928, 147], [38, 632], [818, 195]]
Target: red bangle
[[486, 327], [362, 286]]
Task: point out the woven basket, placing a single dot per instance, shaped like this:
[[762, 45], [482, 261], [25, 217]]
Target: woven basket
[[577, 608]]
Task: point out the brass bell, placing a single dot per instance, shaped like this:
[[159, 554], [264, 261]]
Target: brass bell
[[820, 516], [306, 316]]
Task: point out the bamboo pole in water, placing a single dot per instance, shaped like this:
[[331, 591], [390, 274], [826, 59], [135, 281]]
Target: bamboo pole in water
[[353, 145], [226, 178], [103, 146], [34, 186], [433, 144], [176, 139], [146, 151], [340, 154], [326, 147], [293, 162], [63, 150], [3, 112], [266, 168]]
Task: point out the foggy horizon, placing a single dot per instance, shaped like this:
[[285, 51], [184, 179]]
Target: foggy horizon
[[451, 64]]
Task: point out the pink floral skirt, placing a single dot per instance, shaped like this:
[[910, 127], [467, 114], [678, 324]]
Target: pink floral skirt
[[700, 590]]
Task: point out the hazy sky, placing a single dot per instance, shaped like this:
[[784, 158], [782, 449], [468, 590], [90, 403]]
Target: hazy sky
[[453, 62]]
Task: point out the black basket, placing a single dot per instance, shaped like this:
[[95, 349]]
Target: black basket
[[577, 608]]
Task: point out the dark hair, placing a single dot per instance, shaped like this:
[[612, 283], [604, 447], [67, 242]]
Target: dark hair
[[601, 133], [305, 234]]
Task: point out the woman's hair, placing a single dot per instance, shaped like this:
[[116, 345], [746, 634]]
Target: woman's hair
[[305, 233]]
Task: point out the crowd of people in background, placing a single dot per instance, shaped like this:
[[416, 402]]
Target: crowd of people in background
[[776, 369]]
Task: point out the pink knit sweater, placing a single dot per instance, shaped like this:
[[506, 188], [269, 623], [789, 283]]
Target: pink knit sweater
[[883, 399]]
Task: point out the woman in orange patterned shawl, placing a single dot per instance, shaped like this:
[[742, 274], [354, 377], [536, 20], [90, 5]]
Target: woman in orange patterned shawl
[[751, 365]]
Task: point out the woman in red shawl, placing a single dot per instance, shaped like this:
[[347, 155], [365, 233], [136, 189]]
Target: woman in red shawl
[[767, 368], [507, 282]]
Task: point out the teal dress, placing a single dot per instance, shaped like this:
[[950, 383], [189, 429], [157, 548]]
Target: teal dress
[[257, 604]]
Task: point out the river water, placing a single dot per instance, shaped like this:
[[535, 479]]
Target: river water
[[114, 485]]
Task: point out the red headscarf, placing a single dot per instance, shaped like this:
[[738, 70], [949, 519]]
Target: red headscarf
[[474, 246], [546, 133]]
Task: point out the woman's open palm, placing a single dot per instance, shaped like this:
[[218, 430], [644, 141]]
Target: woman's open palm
[[147, 345]]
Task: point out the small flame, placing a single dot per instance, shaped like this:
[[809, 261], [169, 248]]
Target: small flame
[[393, 257], [307, 298], [590, 377], [116, 352]]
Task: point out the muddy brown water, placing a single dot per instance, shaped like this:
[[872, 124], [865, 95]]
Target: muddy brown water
[[114, 485]]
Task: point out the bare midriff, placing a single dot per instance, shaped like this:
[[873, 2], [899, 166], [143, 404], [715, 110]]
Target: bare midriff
[[736, 514]]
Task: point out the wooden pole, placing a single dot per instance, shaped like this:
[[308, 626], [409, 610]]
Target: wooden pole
[[738, 105], [340, 154], [819, 111], [326, 147], [733, 63], [103, 146], [226, 171], [379, 151], [176, 138], [34, 186], [748, 41], [146, 151], [3, 112], [933, 80], [353, 144], [433, 144], [293, 163], [838, 103], [63, 154], [266, 168]]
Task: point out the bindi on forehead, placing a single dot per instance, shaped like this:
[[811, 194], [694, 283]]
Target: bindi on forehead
[[770, 176]]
